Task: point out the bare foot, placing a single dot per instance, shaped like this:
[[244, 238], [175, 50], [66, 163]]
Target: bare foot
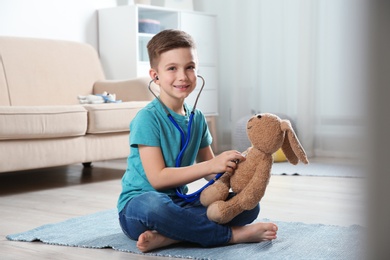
[[150, 240], [256, 232]]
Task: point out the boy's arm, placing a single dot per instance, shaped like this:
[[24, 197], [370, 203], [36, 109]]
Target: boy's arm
[[206, 154], [162, 177]]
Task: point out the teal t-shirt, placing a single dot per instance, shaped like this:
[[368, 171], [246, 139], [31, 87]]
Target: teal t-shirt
[[152, 127]]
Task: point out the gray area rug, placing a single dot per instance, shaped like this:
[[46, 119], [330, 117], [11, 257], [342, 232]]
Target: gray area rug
[[295, 240]]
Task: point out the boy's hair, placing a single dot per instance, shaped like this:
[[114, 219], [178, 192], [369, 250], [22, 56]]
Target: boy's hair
[[167, 40]]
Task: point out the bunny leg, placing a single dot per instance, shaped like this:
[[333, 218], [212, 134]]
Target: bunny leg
[[224, 211], [217, 191]]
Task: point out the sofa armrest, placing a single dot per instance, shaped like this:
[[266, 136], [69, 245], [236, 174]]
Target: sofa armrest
[[127, 90]]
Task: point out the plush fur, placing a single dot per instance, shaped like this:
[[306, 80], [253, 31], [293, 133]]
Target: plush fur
[[267, 133]]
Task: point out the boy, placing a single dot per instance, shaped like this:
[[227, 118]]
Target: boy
[[149, 209]]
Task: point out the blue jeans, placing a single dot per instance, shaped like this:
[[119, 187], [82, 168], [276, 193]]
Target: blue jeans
[[177, 219]]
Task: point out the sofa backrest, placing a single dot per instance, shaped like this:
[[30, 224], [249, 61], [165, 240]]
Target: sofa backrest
[[4, 97], [46, 72]]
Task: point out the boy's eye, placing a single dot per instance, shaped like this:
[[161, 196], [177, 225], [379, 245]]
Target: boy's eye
[[191, 67], [171, 68]]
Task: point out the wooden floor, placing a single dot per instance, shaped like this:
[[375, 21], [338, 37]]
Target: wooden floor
[[32, 198]]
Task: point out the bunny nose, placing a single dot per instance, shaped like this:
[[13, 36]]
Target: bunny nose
[[259, 116]]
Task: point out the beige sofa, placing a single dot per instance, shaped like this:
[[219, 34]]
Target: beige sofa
[[42, 123]]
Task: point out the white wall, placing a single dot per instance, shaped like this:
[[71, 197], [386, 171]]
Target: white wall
[[74, 20], [302, 58]]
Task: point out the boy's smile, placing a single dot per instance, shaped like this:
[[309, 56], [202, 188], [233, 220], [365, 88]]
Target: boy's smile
[[182, 87]]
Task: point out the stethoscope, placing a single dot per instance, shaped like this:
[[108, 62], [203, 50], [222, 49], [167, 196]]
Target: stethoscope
[[184, 143]]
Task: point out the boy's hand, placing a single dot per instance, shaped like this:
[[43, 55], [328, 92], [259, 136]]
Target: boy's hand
[[226, 161]]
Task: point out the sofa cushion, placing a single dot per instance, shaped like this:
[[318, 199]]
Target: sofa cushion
[[112, 117], [31, 122]]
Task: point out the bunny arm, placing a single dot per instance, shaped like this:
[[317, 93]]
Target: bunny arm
[[224, 211], [217, 191]]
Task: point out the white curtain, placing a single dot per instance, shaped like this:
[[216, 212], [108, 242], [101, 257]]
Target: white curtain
[[301, 58]]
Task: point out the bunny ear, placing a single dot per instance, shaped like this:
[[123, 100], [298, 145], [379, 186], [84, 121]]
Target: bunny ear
[[291, 146]]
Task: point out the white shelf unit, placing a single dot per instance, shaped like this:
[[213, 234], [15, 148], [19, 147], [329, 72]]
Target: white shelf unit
[[123, 52]]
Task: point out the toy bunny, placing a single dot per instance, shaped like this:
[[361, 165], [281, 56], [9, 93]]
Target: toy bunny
[[267, 133]]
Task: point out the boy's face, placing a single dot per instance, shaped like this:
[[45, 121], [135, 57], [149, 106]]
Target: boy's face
[[177, 74]]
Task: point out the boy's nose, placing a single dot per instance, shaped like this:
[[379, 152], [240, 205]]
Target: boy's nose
[[182, 75]]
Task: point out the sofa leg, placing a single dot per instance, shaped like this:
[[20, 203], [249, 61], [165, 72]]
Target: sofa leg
[[87, 164]]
